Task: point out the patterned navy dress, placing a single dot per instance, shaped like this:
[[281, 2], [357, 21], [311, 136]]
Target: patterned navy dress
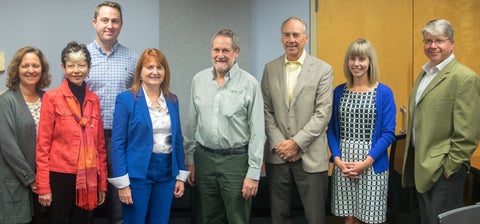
[[366, 197]]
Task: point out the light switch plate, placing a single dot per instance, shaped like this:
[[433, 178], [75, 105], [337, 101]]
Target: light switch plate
[[2, 61]]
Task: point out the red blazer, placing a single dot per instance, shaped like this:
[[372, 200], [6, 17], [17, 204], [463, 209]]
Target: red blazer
[[59, 135]]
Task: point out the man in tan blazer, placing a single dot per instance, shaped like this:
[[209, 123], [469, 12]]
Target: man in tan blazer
[[297, 93], [444, 126]]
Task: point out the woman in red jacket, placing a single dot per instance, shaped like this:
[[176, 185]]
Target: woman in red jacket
[[71, 156]]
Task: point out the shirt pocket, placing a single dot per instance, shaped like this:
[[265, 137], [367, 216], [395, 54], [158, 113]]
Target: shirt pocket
[[233, 102], [65, 121]]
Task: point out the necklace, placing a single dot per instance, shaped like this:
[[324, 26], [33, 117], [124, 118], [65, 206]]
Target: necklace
[[158, 107], [154, 99]]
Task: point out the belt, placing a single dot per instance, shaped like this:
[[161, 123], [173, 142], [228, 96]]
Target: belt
[[223, 152]]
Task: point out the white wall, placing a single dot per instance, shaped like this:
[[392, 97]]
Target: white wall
[[268, 16], [50, 25], [187, 26], [182, 29], [186, 29]]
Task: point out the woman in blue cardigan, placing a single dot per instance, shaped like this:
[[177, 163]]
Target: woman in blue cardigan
[[147, 143], [360, 131]]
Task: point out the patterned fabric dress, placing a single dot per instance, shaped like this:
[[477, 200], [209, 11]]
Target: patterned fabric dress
[[366, 197]]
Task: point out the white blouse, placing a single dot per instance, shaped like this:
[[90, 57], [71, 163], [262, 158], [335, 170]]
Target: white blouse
[[161, 125]]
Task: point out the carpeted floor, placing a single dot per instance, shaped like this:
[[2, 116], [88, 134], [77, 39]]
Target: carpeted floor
[[254, 220]]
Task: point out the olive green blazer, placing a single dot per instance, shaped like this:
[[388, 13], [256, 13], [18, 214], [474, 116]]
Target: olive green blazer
[[447, 126]]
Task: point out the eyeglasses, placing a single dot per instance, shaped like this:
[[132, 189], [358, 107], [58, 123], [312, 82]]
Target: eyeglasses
[[437, 41]]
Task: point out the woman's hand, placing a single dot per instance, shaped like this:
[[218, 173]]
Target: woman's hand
[[340, 164], [179, 189], [125, 195], [45, 199], [354, 169], [101, 197], [33, 186]]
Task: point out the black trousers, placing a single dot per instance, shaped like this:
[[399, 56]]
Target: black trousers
[[112, 202], [445, 195], [63, 209]]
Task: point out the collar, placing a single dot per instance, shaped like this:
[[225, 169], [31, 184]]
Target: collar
[[440, 66], [161, 100], [99, 48], [232, 70], [65, 90], [300, 60]]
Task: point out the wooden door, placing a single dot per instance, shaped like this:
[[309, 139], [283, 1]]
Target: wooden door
[[387, 24]]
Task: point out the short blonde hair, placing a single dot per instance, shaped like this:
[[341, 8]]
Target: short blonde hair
[[362, 48]]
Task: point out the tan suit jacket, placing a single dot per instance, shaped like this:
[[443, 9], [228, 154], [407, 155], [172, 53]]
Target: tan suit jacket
[[306, 118], [447, 126]]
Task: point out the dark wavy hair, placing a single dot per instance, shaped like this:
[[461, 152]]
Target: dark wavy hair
[[73, 47]]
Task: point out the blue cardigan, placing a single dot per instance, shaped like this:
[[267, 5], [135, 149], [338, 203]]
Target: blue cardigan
[[384, 127]]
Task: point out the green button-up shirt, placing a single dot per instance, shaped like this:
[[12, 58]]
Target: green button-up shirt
[[227, 116]]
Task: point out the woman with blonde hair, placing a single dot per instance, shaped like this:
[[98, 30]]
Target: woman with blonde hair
[[361, 129]]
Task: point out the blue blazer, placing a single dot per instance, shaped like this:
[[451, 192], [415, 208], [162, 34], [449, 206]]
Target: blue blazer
[[132, 136], [383, 129]]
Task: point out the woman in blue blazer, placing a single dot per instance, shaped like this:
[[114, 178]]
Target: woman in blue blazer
[[147, 144]]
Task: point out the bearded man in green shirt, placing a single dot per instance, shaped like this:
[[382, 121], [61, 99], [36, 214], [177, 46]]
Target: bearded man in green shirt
[[225, 135]]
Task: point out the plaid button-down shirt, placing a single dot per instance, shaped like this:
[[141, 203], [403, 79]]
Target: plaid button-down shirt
[[110, 75]]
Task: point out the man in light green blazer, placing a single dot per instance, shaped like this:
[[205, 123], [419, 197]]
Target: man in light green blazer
[[444, 126]]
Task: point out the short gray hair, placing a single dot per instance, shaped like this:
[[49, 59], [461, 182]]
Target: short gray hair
[[439, 26], [230, 34], [294, 18]]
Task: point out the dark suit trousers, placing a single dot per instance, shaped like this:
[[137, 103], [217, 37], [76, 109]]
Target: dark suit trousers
[[112, 202], [312, 188], [445, 195]]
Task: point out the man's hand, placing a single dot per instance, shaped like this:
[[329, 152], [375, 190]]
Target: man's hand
[[287, 150], [295, 157], [191, 177], [250, 188]]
